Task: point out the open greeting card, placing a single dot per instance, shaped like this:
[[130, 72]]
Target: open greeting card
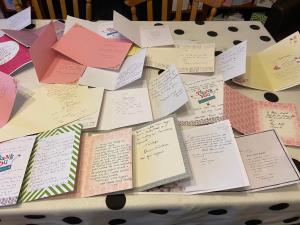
[[250, 116]]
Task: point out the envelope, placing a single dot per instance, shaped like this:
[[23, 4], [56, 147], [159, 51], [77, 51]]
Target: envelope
[[51, 66]]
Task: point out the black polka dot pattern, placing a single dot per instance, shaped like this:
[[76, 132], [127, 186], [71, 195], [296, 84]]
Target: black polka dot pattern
[[158, 24], [72, 220], [236, 42], [116, 221], [30, 26], [217, 53], [217, 212], [34, 216], [271, 97], [212, 33], [254, 27], [160, 71], [253, 222], [280, 206], [290, 220], [233, 29], [297, 163], [115, 202], [179, 32], [199, 22], [159, 211], [265, 38]]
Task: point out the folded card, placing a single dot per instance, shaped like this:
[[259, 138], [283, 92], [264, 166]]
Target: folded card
[[267, 163], [53, 163], [12, 55], [275, 68], [131, 70], [97, 51], [51, 66], [18, 21], [8, 92], [144, 36], [188, 58], [14, 156], [250, 116]]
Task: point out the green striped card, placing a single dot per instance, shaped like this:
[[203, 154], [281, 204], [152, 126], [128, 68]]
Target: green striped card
[[51, 169]]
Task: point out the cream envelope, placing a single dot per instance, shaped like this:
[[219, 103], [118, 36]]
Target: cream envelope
[[249, 116], [51, 66], [188, 58], [131, 70], [143, 36], [8, 92], [90, 49], [275, 68]]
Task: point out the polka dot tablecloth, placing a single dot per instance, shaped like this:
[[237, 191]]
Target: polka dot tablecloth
[[277, 206]]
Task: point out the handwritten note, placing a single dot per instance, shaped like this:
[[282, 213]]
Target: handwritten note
[[166, 92], [159, 156], [14, 156], [214, 158]]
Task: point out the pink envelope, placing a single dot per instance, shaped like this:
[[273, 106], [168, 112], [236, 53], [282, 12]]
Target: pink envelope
[[12, 55], [250, 116], [90, 49], [8, 92], [51, 66]]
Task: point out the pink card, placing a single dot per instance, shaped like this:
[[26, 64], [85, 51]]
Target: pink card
[[12, 55], [51, 66], [90, 49], [250, 116], [24, 37], [59, 29], [8, 92]]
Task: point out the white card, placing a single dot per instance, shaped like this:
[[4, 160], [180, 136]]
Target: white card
[[18, 21], [14, 156]]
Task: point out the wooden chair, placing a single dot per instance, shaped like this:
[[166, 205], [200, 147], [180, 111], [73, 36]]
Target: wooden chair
[[214, 4], [40, 11]]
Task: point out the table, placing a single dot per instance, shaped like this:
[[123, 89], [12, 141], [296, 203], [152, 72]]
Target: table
[[277, 206]]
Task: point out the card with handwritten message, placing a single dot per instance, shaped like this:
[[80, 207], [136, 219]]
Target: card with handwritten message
[[250, 116], [13, 55], [8, 92], [267, 162], [214, 158], [166, 91], [159, 155], [53, 163], [14, 156], [131, 70], [144, 36], [275, 68], [51, 66]]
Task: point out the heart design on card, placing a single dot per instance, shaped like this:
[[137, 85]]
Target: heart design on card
[[8, 50]]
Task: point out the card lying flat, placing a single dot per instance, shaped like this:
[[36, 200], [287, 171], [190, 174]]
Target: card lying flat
[[14, 156], [131, 70], [18, 21], [143, 36], [267, 163], [97, 51], [24, 37], [275, 68], [159, 155], [214, 158], [250, 116], [8, 92], [51, 66], [53, 163], [12, 55]]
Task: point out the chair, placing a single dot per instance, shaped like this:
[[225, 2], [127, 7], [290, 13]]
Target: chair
[[40, 11], [213, 4]]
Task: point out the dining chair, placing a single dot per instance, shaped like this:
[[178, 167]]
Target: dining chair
[[41, 6], [213, 4]]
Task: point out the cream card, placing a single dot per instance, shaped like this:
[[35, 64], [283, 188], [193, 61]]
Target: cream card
[[205, 103], [267, 163], [159, 155], [166, 92], [14, 156], [214, 158], [143, 36], [125, 108]]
